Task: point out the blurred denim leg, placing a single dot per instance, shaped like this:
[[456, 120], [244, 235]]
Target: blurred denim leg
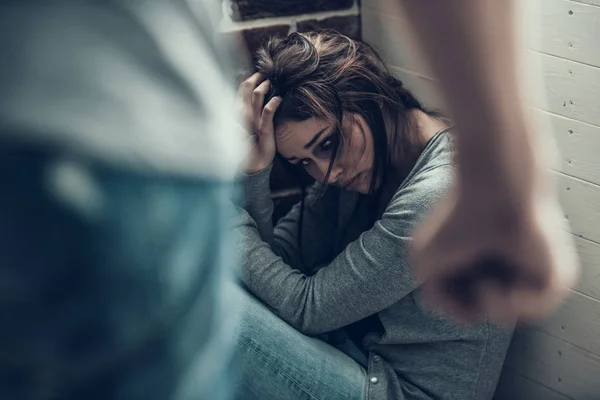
[[112, 284], [117, 157], [279, 363]]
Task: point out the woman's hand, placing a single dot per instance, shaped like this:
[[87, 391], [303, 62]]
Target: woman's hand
[[479, 252], [258, 121]]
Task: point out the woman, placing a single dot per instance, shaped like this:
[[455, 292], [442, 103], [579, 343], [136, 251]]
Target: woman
[[338, 313]]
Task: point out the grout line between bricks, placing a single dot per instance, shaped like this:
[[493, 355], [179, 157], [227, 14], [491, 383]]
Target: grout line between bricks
[[293, 27], [227, 25]]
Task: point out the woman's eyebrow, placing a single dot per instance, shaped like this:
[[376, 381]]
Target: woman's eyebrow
[[315, 138]]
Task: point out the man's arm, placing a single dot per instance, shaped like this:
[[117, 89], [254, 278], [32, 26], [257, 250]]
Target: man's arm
[[471, 46], [494, 243]]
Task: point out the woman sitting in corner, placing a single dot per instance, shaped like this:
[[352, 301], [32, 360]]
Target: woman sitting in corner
[[335, 311]]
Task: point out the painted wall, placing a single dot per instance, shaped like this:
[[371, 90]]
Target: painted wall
[[560, 358]]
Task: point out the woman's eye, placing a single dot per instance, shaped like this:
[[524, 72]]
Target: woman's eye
[[326, 144], [305, 162]]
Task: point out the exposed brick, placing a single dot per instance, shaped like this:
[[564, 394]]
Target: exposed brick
[[249, 40], [257, 37], [253, 9], [347, 25]]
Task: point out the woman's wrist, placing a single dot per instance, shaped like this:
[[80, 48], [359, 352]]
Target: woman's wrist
[[257, 184], [256, 169]]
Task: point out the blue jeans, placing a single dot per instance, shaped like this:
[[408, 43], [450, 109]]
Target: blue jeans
[[277, 362], [111, 282]]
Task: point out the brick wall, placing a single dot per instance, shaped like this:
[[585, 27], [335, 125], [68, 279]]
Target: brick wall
[[257, 20], [254, 21]]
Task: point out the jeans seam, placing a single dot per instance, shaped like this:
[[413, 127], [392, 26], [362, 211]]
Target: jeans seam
[[248, 345], [366, 372]]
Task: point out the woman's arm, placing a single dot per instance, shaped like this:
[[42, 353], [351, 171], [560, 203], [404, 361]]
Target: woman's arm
[[371, 274], [319, 222], [319, 219]]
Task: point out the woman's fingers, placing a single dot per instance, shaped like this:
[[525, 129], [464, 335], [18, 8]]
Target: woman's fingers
[[245, 91], [246, 87], [258, 100], [268, 113], [259, 121]]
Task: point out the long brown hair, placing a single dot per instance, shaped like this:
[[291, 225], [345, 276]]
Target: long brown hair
[[327, 75], [324, 74]]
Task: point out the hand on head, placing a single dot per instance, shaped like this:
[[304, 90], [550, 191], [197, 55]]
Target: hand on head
[[258, 121]]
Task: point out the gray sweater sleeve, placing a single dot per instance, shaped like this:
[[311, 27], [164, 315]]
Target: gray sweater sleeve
[[319, 222], [369, 275]]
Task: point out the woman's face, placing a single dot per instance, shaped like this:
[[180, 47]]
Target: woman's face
[[310, 143]]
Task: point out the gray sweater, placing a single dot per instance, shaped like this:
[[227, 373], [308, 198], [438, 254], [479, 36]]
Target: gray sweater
[[416, 353]]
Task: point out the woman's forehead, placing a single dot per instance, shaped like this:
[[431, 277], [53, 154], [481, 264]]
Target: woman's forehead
[[299, 130], [298, 136]]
